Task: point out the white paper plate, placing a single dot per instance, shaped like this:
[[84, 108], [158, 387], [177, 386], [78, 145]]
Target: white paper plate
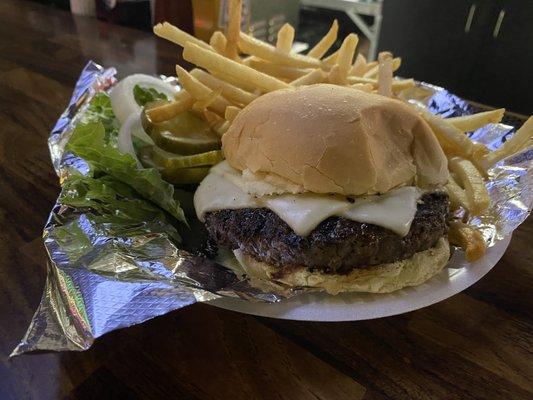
[[456, 277]]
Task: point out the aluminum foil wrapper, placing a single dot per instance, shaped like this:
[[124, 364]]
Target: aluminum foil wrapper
[[104, 276]]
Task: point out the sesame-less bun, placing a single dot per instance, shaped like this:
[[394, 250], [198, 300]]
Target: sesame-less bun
[[384, 278], [333, 139]]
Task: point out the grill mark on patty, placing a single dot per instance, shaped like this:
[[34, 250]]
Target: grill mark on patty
[[336, 245]]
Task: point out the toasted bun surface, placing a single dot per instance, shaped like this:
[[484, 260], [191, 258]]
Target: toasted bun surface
[[333, 139], [384, 278]]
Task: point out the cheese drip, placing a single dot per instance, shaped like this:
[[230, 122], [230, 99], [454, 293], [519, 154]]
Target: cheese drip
[[222, 190]]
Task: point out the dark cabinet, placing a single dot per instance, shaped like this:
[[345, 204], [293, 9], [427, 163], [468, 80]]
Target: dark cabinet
[[480, 49]]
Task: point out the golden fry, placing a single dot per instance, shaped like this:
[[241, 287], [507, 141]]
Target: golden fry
[[453, 141], [401, 84], [199, 91], [170, 32], [521, 137], [326, 42], [203, 104], [218, 42], [224, 66], [231, 113], [360, 79], [278, 71], [182, 102], [285, 38], [374, 68], [339, 72], [230, 92], [315, 76], [385, 74], [234, 28], [238, 83], [328, 62], [359, 66], [469, 239], [365, 87], [472, 181], [457, 194], [346, 52], [472, 122], [256, 47]]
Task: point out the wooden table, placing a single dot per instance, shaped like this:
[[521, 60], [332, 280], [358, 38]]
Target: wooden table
[[475, 345]]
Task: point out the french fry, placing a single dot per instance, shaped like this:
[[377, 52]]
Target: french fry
[[256, 47], [346, 52], [234, 28], [339, 72], [370, 65], [397, 84], [457, 194], [401, 84], [214, 121], [469, 239], [365, 87], [359, 66], [336, 77], [218, 42], [212, 118], [224, 66], [373, 71], [182, 102], [222, 128], [472, 181], [328, 62], [325, 43], [472, 122], [452, 140], [526, 144], [359, 79], [511, 146], [315, 76], [174, 34], [278, 71], [230, 92], [231, 113], [238, 83], [385, 73], [480, 151], [285, 38], [202, 104], [199, 91]]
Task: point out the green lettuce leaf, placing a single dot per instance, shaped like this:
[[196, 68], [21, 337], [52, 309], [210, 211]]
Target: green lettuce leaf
[[100, 110], [144, 96], [115, 204], [88, 141]]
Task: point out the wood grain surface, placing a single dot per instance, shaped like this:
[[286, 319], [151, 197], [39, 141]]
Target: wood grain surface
[[475, 345]]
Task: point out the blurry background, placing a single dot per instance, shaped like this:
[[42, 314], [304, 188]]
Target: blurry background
[[481, 50]]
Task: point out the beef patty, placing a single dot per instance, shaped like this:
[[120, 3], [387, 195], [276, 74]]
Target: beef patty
[[336, 245]]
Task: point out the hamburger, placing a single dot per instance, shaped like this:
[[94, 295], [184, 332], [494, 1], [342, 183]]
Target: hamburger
[[332, 188]]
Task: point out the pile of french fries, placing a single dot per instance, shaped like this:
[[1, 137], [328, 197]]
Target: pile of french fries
[[237, 68]]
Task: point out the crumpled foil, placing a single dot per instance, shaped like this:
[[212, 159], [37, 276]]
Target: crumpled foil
[[102, 277]]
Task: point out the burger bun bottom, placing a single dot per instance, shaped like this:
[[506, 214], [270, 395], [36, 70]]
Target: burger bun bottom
[[384, 278]]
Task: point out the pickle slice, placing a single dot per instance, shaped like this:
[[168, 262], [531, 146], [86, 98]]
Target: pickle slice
[[178, 176], [184, 134], [186, 145], [171, 161], [185, 176]]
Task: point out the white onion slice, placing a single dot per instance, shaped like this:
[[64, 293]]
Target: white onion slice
[[122, 99], [131, 127]]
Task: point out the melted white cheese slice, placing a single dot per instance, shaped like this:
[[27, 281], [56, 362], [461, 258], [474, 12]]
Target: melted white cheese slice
[[394, 210], [305, 211], [218, 193]]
